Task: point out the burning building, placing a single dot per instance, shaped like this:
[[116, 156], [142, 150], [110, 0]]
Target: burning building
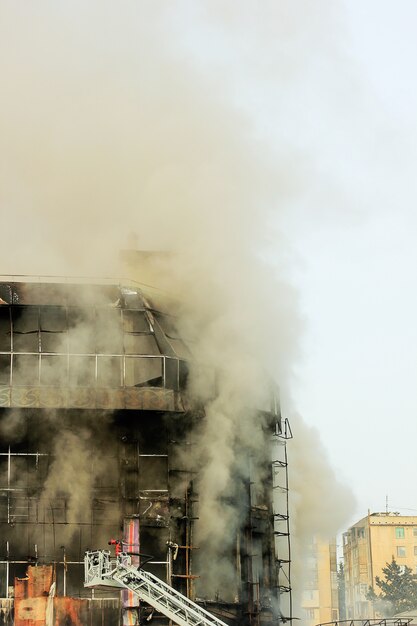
[[99, 433]]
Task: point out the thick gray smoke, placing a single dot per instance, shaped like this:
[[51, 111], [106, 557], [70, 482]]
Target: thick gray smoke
[[241, 323], [67, 481], [71, 478], [109, 127]]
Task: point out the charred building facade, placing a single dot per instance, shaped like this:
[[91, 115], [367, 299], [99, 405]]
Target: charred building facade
[[96, 425]]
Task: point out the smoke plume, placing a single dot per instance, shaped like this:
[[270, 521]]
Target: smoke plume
[[320, 503], [71, 478], [110, 127]]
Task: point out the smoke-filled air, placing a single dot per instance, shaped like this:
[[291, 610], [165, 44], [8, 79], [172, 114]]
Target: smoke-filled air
[[121, 127]]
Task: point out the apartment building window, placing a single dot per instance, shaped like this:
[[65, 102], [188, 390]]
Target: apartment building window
[[415, 550], [415, 531], [361, 533], [363, 590], [399, 533], [401, 551], [310, 613]]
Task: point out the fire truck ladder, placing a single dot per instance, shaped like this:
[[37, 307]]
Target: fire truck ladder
[[103, 571]]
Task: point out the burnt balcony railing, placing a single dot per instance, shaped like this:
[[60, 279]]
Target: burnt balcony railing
[[59, 369]]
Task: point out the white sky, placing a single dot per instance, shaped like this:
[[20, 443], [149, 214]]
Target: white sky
[[357, 280]]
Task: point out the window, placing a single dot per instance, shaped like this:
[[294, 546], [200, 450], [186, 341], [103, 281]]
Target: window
[[81, 330], [82, 371], [415, 550], [363, 589], [361, 533], [53, 325], [4, 369], [25, 369], [109, 371], [143, 372], [53, 319], [135, 322], [401, 551], [25, 329], [54, 370], [140, 344], [153, 473], [399, 533], [5, 330], [108, 327], [415, 531]]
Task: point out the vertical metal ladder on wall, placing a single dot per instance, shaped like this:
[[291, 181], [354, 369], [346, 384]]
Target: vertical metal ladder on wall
[[282, 518], [103, 571]]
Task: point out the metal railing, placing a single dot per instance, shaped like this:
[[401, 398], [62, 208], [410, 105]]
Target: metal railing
[[75, 280], [165, 371], [386, 621]]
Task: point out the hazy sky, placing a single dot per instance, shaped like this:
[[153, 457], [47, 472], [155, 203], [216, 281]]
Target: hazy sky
[[357, 276], [332, 89]]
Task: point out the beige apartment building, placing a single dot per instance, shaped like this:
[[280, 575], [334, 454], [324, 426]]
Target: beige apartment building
[[320, 597], [368, 546]]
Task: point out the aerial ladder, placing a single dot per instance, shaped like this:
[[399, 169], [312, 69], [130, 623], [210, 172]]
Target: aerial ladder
[[103, 570]]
